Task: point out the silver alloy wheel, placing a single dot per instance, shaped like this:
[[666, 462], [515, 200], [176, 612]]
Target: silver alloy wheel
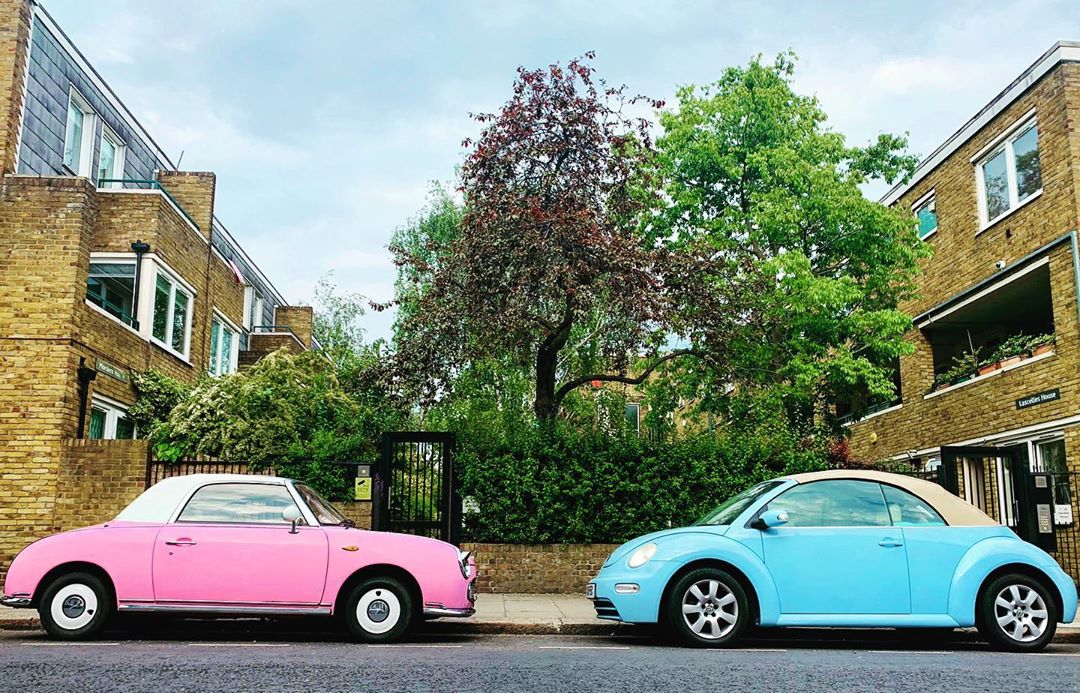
[[710, 609], [1021, 613], [378, 610]]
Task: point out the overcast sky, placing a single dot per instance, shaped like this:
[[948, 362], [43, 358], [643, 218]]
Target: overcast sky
[[326, 121]]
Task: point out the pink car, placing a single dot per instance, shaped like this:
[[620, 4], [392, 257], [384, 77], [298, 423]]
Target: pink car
[[229, 544]]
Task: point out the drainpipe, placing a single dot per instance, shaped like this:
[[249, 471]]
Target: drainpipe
[[140, 249], [86, 374]]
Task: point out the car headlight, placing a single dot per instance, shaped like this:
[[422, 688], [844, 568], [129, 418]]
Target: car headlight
[[642, 555], [463, 563]]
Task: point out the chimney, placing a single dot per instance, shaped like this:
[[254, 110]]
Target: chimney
[[194, 192]]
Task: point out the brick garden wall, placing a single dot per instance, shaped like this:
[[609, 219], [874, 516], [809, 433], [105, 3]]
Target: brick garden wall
[[537, 568], [97, 479]]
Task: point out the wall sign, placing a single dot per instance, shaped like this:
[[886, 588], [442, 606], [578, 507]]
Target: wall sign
[[362, 483], [113, 371], [1038, 398], [1063, 514]]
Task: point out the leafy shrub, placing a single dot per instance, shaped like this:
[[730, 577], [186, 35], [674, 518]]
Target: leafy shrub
[[157, 395], [559, 485]]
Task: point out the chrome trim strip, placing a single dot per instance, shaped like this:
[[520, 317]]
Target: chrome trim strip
[[224, 609], [16, 601], [444, 612]]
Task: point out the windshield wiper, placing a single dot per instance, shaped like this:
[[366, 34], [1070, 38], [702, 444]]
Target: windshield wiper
[[347, 523]]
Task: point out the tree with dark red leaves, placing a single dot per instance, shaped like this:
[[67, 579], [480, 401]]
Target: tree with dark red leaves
[[549, 245]]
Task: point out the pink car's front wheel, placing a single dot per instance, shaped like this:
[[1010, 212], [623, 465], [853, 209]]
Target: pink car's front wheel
[[75, 606], [378, 610]]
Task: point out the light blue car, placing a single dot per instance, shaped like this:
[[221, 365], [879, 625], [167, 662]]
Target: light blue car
[[838, 548]]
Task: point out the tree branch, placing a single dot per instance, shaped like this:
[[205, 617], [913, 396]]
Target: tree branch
[[567, 387]]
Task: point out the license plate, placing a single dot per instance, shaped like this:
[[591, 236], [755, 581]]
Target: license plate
[[590, 591]]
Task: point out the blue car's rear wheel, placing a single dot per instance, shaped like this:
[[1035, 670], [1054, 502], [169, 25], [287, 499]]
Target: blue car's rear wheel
[[707, 607], [1017, 613]]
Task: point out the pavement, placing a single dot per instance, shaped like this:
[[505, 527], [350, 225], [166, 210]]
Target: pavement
[[270, 658]]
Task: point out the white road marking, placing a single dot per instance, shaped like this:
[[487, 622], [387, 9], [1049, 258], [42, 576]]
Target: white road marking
[[749, 649], [451, 647], [917, 652], [69, 644], [239, 644], [582, 647]]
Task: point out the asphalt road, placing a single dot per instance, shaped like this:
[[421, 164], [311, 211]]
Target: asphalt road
[[281, 657]]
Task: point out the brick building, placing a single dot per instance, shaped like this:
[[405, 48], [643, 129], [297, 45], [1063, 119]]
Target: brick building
[[111, 262], [999, 202]]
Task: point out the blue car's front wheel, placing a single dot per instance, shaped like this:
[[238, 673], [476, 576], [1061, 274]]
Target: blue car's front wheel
[[707, 607]]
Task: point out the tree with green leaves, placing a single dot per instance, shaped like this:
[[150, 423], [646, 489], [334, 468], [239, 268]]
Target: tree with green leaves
[[792, 274]]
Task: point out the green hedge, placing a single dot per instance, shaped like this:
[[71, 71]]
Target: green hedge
[[565, 486]]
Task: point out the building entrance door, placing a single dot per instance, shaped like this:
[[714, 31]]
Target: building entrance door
[[994, 480]]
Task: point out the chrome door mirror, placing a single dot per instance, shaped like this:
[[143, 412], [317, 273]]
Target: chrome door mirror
[[770, 518]]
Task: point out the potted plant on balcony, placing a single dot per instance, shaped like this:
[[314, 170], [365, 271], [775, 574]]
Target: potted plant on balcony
[[1041, 344], [1013, 350], [989, 365]]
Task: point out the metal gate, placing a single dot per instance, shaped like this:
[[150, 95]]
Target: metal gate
[[991, 479], [415, 490]]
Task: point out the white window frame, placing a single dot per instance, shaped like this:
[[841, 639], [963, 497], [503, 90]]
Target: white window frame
[[637, 416], [86, 147], [118, 161], [152, 268], [928, 198], [114, 411], [254, 304], [234, 345], [113, 259], [1005, 143]]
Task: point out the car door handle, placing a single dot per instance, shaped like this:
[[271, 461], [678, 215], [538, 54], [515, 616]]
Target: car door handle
[[180, 542], [889, 543]]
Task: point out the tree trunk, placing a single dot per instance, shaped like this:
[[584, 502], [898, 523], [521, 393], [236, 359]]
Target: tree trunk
[[544, 405]]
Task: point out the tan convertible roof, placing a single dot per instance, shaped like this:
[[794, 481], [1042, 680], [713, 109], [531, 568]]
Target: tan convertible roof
[[955, 511]]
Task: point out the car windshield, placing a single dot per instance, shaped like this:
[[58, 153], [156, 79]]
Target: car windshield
[[726, 512], [325, 513]]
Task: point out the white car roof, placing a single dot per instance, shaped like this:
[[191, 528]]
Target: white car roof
[[157, 503]]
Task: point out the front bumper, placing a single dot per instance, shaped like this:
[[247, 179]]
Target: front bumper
[[640, 606], [16, 601], [438, 611]]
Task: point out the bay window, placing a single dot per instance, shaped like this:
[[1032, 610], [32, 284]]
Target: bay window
[[111, 287]]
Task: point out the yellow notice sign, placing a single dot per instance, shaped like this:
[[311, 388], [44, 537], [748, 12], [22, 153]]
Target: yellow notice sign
[[362, 489]]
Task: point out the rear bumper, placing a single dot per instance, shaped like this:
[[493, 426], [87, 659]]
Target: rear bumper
[[16, 601]]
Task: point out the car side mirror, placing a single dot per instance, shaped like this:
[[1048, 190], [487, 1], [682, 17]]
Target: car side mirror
[[770, 518], [293, 516]]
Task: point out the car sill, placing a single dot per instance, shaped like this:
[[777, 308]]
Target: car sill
[[229, 609]]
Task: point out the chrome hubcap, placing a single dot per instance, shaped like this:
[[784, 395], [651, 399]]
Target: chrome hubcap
[[1021, 613], [710, 609], [73, 606]]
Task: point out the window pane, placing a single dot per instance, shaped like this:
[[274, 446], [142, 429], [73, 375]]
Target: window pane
[[834, 504], [1052, 459], [97, 424], [179, 321], [225, 359], [239, 503], [909, 510], [125, 429], [73, 137], [633, 416], [215, 343], [112, 287], [161, 307], [107, 160], [996, 182], [927, 215], [1028, 173]]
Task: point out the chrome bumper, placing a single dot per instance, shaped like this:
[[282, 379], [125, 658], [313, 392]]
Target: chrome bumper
[[18, 601], [443, 612]]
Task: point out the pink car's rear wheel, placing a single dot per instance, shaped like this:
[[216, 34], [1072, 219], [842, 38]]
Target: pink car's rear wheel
[[75, 606], [378, 610]]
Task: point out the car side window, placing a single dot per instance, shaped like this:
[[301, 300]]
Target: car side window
[[834, 503], [908, 510], [259, 504]]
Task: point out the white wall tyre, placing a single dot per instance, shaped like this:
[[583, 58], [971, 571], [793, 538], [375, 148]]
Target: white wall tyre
[[707, 607], [1017, 613], [75, 606], [379, 610]]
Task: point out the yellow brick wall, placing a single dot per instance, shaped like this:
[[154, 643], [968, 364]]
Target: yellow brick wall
[[14, 36], [96, 480], [964, 256]]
